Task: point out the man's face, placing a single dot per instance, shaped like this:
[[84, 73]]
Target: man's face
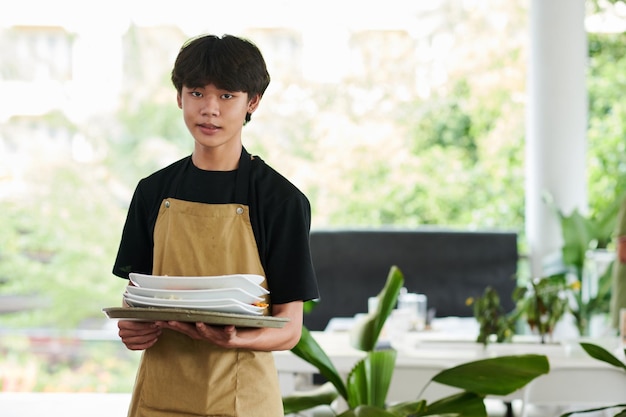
[[214, 116]]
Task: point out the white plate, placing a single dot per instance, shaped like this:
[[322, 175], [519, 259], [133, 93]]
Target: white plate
[[247, 282], [223, 308], [190, 303], [235, 293]]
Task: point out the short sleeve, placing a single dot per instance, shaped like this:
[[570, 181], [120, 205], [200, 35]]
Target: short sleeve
[[136, 244], [288, 265]]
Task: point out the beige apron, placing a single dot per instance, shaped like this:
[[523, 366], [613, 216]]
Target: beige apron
[[180, 376]]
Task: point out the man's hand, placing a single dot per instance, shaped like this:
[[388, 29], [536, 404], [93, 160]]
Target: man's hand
[[223, 336], [138, 335]]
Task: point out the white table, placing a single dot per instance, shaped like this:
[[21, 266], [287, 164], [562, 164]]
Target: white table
[[423, 354]]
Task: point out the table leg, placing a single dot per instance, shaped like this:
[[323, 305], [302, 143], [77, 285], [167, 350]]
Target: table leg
[[509, 408]]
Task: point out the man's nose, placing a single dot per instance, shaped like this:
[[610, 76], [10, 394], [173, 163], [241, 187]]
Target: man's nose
[[211, 106]]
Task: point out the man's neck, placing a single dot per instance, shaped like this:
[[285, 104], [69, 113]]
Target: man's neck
[[217, 159]]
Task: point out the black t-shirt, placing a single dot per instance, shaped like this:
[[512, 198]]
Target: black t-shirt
[[280, 215]]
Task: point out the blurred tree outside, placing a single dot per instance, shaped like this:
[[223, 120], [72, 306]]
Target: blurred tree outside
[[607, 119]]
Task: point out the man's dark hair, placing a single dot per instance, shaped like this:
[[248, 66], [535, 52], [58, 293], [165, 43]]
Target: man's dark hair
[[228, 62]]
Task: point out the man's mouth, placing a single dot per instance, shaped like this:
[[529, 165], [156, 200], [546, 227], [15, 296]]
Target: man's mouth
[[208, 127]]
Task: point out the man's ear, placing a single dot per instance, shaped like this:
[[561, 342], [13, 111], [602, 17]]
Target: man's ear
[[179, 100], [254, 103]]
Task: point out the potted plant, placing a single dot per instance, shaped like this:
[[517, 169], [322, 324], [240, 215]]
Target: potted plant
[[542, 303], [582, 238], [493, 321], [365, 389]]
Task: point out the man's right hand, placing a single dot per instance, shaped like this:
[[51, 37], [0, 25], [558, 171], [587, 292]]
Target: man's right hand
[[138, 335]]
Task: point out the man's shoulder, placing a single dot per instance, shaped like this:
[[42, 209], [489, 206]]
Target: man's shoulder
[[165, 174], [268, 180]]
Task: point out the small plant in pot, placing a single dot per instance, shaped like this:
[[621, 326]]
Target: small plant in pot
[[584, 236], [542, 303], [494, 323]]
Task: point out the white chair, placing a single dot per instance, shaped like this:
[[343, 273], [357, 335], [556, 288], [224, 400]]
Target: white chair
[[592, 387]]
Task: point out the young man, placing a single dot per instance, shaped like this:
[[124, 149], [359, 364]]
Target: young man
[[219, 211]]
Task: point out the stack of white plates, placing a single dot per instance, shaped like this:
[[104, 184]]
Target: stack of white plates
[[241, 293]]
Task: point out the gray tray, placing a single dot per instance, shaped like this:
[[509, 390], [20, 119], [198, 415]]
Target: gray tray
[[181, 314]]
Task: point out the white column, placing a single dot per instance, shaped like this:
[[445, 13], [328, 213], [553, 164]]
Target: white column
[[556, 121]]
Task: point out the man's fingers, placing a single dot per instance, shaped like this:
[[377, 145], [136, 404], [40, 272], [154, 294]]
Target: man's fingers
[[138, 335]]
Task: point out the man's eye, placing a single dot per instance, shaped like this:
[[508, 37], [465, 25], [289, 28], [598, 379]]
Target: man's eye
[[227, 96], [196, 94]]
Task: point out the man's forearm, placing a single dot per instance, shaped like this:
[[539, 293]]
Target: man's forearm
[[621, 249]]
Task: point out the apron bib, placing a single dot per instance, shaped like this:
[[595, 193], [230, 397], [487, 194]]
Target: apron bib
[[180, 376]]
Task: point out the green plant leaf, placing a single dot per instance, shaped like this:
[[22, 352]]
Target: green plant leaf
[[408, 408], [368, 411], [495, 376], [364, 335], [600, 353], [601, 302], [308, 306], [605, 222], [576, 232], [309, 350], [304, 400], [464, 404], [369, 380], [589, 410]]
